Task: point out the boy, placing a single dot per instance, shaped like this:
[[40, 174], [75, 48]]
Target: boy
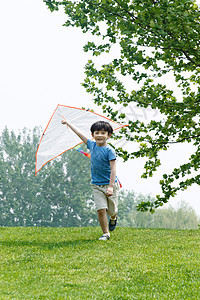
[[103, 174]]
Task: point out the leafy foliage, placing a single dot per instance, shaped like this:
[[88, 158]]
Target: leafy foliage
[[183, 217], [153, 38], [60, 195]]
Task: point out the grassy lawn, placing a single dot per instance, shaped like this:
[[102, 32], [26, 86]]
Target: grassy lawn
[[70, 263]]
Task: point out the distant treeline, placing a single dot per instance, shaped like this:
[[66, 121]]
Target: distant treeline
[[61, 194], [184, 217]]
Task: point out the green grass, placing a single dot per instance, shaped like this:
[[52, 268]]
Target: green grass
[[70, 263]]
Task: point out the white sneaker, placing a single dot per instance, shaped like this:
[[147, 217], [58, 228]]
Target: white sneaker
[[104, 237]]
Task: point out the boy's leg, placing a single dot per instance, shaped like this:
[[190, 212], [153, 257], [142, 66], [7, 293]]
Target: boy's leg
[[113, 207], [105, 206], [103, 220], [113, 217], [101, 206]]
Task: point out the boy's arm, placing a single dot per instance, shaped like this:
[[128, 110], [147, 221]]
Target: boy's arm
[[76, 130], [109, 191]]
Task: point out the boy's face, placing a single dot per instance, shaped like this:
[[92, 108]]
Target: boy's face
[[101, 137]]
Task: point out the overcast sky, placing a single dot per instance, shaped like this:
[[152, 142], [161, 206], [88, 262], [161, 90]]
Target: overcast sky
[[42, 65]]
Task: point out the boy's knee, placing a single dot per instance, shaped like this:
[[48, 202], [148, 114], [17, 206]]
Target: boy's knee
[[101, 211]]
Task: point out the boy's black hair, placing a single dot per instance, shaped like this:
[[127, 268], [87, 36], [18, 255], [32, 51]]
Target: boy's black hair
[[101, 125]]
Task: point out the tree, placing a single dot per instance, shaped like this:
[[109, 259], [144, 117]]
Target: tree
[[20, 203], [60, 195], [183, 217], [153, 38]]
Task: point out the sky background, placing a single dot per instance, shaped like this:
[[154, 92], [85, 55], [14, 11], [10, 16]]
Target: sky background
[[42, 65]]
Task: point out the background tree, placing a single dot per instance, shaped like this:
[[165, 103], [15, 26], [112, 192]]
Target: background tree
[[183, 217], [153, 38], [60, 195]]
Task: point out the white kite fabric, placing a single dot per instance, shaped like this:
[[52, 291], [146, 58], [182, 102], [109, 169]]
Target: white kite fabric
[[58, 138]]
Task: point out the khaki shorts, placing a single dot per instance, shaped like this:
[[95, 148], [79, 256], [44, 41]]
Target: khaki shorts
[[103, 202]]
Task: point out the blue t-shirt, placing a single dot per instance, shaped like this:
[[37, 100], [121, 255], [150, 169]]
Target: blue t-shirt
[[100, 162]]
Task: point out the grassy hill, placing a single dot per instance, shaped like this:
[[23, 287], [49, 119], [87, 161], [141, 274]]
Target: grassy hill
[[70, 263]]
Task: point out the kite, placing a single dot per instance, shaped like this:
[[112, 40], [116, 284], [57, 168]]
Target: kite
[[79, 149], [58, 138]]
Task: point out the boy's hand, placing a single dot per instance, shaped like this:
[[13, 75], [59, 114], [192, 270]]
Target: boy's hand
[[75, 130], [109, 191]]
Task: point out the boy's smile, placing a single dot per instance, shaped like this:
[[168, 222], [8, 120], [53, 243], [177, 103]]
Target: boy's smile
[[101, 137]]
